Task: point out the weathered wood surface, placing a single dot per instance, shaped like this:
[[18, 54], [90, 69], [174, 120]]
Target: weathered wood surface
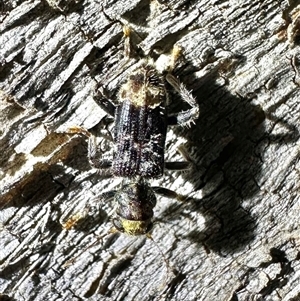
[[236, 237]]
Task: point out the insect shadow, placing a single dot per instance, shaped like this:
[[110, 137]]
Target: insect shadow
[[228, 139]]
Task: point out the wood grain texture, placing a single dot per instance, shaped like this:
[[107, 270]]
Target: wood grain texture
[[236, 237]]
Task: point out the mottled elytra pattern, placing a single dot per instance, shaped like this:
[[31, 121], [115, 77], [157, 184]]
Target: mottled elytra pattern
[[140, 127]]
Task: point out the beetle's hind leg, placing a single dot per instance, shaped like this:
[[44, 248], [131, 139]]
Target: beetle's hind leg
[[184, 117], [188, 116], [100, 96]]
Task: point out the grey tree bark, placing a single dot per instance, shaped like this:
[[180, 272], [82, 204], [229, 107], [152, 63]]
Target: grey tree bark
[[235, 237]]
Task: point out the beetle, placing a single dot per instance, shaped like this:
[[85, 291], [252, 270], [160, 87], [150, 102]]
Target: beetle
[[141, 120]]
